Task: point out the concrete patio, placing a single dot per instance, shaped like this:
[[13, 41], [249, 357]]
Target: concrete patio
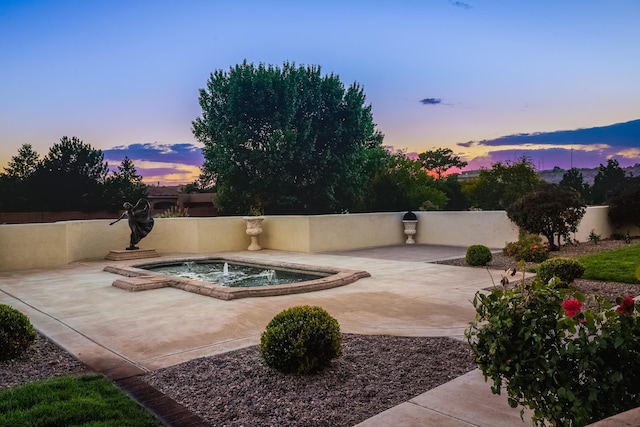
[[123, 334]]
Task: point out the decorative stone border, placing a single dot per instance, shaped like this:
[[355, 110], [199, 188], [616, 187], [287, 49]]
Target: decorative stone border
[[138, 279]]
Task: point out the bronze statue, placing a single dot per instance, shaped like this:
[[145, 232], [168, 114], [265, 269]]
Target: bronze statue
[[140, 221]]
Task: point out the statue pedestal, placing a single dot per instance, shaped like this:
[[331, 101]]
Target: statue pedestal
[[122, 255]]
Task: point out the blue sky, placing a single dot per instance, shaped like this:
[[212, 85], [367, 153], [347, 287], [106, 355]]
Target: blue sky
[[124, 76]]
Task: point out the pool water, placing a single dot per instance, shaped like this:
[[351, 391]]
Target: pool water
[[233, 275]]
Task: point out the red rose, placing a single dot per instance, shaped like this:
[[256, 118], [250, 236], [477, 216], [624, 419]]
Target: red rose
[[626, 305], [572, 306]]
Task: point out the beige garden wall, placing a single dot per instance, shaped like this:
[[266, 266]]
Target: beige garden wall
[[24, 246], [458, 228]]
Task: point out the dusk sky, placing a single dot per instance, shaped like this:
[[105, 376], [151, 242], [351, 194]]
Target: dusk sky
[[473, 76]]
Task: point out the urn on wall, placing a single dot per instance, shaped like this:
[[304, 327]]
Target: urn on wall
[[410, 221], [254, 229]]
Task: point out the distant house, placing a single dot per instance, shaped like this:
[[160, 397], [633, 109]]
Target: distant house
[[163, 198]]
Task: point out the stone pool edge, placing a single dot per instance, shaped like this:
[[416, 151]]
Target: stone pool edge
[[137, 279]]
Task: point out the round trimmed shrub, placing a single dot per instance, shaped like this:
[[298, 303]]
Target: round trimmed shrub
[[478, 255], [567, 270], [16, 332], [302, 339]]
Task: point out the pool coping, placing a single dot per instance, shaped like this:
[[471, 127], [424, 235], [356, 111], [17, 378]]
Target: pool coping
[[138, 279]]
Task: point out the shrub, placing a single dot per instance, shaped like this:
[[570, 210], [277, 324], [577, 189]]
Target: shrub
[[16, 332], [594, 237], [551, 211], [528, 248], [569, 365], [174, 212], [567, 270], [478, 255], [302, 339], [619, 236]]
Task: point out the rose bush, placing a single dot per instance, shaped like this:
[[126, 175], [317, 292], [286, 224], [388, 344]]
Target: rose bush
[[570, 365], [529, 247]]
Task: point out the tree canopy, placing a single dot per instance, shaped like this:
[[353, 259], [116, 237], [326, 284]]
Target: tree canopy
[[440, 160], [573, 179], [72, 176], [14, 181], [124, 185], [401, 184], [624, 203], [286, 139], [499, 187], [607, 179], [552, 211]]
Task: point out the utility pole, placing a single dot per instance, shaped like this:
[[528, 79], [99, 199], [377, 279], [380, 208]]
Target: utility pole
[[571, 158]]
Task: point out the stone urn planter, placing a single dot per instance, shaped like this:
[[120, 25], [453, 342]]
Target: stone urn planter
[[254, 229], [410, 222]]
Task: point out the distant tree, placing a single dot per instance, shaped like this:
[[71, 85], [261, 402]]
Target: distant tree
[[573, 179], [552, 211], [23, 165], [457, 199], [287, 139], [624, 203], [204, 184], [401, 184], [16, 181], [124, 185], [499, 187], [608, 179], [70, 177], [440, 160]]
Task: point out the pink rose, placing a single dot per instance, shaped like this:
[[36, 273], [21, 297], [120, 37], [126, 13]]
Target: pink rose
[[572, 306], [626, 305]]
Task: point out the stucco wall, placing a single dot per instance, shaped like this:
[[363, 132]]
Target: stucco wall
[[342, 232], [24, 246], [287, 233], [32, 246], [457, 228]]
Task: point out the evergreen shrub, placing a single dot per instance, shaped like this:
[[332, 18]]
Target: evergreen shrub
[[16, 332], [478, 255], [567, 270], [302, 339]]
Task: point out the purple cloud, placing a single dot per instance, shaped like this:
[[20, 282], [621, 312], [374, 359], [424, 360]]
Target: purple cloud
[[460, 4], [431, 101], [157, 152], [548, 158], [617, 135]]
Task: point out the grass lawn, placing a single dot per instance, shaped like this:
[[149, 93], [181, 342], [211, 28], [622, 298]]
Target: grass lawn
[[618, 265], [89, 400]]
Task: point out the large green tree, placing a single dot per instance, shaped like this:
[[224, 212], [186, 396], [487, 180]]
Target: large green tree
[[70, 177], [499, 187], [286, 139]]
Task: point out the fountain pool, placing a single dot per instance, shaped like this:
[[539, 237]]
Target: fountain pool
[[230, 277], [234, 275]]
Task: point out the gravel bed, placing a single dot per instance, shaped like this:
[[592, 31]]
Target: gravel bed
[[42, 360], [610, 290], [374, 373]]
